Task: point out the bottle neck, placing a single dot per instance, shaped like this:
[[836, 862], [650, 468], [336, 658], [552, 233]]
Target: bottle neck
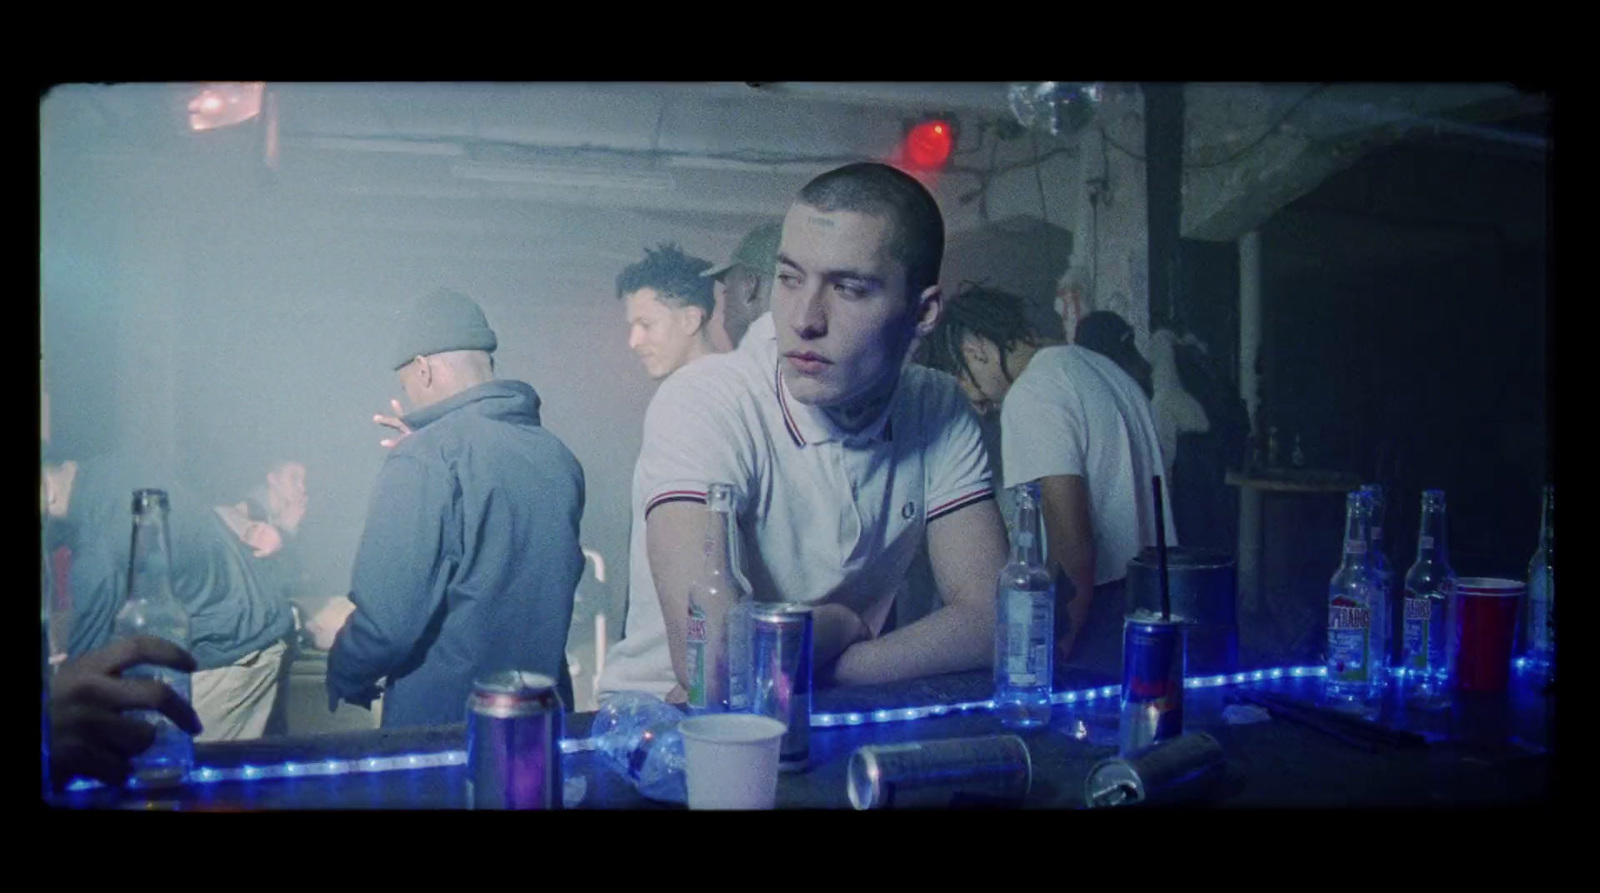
[[1355, 537], [149, 567], [721, 547], [1432, 544], [1025, 547], [1547, 527]]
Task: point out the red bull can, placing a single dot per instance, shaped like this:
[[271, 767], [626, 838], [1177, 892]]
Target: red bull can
[[780, 649], [953, 773], [1152, 682], [514, 724]]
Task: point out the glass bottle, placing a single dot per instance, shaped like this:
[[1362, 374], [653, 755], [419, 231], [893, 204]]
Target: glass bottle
[[1355, 659], [1427, 639], [151, 609], [1539, 610], [1378, 559], [1024, 629], [719, 621]]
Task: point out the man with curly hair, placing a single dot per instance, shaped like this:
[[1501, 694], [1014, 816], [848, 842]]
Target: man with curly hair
[[669, 306]]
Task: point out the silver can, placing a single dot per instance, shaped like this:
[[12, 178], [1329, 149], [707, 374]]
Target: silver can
[[780, 648], [954, 772], [514, 725], [1183, 769]]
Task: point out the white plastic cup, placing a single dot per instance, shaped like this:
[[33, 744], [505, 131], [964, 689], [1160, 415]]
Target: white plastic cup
[[731, 760]]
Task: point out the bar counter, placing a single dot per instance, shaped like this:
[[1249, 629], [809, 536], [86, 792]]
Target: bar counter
[[1485, 750]]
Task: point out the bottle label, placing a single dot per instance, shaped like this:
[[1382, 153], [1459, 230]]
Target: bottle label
[[1348, 643], [1424, 542], [1355, 547], [1029, 619], [696, 658], [1377, 534], [1418, 613]]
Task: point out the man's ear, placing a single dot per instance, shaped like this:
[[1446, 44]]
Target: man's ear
[[424, 371], [700, 322], [930, 307]]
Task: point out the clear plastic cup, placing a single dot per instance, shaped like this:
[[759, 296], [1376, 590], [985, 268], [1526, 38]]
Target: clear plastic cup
[[731, 760]]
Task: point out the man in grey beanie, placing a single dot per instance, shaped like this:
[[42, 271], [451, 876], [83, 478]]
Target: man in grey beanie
[[470, 556]]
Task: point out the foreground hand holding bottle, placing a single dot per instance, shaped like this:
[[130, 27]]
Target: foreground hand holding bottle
[[94, 731]]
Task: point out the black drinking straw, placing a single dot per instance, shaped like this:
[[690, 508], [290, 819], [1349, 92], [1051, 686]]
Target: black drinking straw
[[1161, 548]]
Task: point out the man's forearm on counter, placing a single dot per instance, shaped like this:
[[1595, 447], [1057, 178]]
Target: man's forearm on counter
[[954, 638]]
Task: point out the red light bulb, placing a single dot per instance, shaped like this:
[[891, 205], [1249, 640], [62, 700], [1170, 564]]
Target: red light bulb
[[928, 144]]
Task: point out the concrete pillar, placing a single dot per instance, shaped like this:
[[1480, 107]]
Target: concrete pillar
[[1249, 318], [1249, 566]]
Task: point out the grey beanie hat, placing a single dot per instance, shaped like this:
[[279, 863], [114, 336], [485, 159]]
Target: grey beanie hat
[[443, 321]]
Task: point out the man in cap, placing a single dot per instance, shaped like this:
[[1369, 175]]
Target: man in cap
[[1110, 336], [744, 285], [470, 557], [1174, 410]]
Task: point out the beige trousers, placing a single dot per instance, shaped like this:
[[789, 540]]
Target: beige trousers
[[235, 701]]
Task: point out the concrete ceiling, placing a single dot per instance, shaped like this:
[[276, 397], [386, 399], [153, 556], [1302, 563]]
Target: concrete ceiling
[[463, 158]]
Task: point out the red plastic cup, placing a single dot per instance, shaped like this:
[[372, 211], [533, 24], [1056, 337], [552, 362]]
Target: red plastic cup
[[1487, 627]]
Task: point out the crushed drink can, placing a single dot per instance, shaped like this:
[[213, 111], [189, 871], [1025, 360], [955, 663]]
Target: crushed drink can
[[780, 676], [951, 773], [1185, 768], [514, 724], [1152, 682]]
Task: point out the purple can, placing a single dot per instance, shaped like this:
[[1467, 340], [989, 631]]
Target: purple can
[[1152, 682], [514, 742], [780, 648]]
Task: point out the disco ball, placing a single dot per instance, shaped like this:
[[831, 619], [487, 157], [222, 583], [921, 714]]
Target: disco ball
[[1054, 107]]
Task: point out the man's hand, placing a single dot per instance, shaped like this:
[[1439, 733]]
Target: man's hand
[[89, 735], [325, 626], [677, 696], [394, 422]]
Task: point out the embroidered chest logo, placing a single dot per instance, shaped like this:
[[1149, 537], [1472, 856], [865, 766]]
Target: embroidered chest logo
[[908, 511]]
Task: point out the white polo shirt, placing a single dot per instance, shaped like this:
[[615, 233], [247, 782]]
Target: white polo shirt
[[825, 515], [1075, 412]]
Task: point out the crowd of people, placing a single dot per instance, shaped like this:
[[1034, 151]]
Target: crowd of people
[[783, 372]]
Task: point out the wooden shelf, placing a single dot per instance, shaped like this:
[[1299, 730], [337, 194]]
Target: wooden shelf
[[1297, 481]]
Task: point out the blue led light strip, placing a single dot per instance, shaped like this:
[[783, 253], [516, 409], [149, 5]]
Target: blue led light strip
[[210, 775]]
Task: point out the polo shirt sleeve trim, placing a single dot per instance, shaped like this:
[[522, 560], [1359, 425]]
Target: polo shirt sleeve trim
[[960, 502], [698, 496]]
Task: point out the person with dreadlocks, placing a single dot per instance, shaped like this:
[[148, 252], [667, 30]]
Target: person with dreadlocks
[[1075, 422]]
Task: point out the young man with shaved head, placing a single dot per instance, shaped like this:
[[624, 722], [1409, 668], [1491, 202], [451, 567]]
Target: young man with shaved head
[[842, 458]]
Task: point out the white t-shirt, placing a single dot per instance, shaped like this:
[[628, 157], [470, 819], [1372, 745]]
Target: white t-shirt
[[826, 516], [1075, 412]]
